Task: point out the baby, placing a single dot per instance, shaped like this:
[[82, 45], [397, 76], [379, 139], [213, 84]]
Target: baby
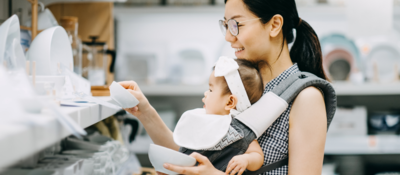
[[220, 101]]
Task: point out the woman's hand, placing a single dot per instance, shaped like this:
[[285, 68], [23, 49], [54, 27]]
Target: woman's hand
[[204, 168], [143, 106], [238, 164]]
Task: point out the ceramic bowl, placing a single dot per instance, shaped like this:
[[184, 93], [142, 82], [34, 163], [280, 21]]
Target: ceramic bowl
[[31, 105], [9, 31], [58, 81], [159, 155], [49, 49], [120, 95]]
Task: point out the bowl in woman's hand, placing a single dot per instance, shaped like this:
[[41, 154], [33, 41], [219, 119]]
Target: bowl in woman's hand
[[159, 155]]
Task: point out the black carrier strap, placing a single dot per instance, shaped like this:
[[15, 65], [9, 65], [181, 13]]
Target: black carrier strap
[[269, 167], [288, 90]]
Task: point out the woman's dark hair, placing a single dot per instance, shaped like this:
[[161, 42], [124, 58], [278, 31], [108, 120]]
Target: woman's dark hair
[[306, 50], [251, 77]]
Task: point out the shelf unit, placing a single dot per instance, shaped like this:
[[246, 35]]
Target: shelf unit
[[19, 141], [362, 145], [341, 88]]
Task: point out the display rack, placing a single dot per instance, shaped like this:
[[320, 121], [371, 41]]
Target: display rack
[[19, 141], [362, 145], [341, 88]]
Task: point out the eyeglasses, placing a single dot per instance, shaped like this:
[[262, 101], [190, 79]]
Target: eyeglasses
[[232, 24]]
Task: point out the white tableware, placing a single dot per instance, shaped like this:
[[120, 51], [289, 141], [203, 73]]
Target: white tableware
[[51, 50], [159, 155], [120, 95], [31, 105], [9, 31], [46, 20], [58, 81]]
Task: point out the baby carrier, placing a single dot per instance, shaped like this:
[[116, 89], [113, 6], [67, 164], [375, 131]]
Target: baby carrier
[[238, 130]]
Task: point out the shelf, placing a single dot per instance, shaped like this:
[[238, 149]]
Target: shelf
[[174, 90], [350, 89], [362, 145], [341, 88], [18, 141]]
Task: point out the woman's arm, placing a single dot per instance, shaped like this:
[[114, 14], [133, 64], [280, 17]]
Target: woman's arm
[[148, 116], [307, 133]]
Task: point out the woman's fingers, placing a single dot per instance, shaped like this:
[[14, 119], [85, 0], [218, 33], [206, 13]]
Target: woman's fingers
[[200, 158], [179, 169], [130, 85]]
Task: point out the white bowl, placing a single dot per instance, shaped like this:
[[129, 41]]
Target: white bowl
[[120, 95], [9, 33], [58, 81], [49, 48], [159, 155], [31, 105]]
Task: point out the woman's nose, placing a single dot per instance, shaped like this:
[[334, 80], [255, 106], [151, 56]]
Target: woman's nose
[[229, 37]]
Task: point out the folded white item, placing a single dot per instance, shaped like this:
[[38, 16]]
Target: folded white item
[[120, 95], [198, 130]]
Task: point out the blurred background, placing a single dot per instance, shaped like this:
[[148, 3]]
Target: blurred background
[[170, 46]]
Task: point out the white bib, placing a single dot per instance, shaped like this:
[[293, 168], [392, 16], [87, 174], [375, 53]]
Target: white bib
[[198, 130]]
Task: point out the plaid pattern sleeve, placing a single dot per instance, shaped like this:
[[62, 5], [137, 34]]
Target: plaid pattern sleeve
[[275, 140]]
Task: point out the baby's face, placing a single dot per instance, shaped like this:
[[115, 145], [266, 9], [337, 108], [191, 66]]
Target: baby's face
[[214, 99]]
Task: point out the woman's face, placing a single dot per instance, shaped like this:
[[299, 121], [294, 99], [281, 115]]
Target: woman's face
[[253, 39]]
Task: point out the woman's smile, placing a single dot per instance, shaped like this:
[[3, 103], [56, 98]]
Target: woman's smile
[[239, 51]]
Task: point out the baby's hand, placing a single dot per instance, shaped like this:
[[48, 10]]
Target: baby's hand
[[237, 165]]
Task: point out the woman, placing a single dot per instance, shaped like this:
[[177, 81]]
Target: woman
[[261, 30]]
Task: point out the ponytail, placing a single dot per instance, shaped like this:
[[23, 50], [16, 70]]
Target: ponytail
[[306, 50]]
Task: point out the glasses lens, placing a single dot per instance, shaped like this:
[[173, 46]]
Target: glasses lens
[[233, 28], [222, 26]]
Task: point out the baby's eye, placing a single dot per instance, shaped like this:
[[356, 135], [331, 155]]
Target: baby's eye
[[210, 90]]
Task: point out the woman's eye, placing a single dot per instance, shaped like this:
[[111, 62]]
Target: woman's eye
[[240, 25]]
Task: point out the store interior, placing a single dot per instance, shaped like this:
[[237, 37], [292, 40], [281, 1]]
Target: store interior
[[59, 57]]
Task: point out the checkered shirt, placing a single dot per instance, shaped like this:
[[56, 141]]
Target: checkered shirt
[[275, 140]]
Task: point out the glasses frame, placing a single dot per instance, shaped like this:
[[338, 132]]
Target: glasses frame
[[224, 24]]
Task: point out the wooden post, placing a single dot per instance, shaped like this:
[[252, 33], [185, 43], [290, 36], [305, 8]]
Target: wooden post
[[34, 23]]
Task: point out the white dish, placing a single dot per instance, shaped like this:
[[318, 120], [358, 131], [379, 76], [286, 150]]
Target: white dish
[[159, 155], [31, 105], [51, 50], [120, 95], [9, 31], [58, 81]]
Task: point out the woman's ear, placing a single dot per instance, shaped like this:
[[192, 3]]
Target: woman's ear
[[231, 104], [276, 25]]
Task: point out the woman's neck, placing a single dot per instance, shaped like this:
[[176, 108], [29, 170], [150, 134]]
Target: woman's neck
[[276, 65]]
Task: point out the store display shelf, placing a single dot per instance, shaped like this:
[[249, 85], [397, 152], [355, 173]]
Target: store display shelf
[[21, 140], [362, 145], [351, 89], [173, 90], [341, 88]]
